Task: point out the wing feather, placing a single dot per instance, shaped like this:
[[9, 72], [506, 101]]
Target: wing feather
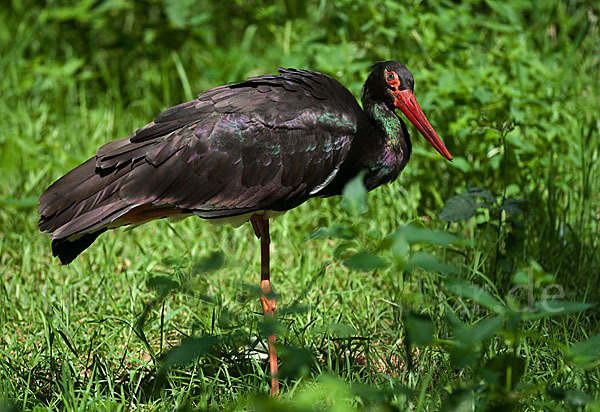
[[270, 142]]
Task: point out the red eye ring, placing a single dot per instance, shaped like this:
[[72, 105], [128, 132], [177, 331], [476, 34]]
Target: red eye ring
[[392, 79]]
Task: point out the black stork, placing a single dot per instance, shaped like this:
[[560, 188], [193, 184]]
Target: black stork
[[241, 152]]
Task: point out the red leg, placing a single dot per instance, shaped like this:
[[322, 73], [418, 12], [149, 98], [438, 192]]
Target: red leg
[[261, 229]]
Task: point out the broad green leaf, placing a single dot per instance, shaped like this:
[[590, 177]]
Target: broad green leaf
[[549, 308], [328, 390], [226, 318], [521, 278], [459, 207], [341, 231], [209, 263], [336, 231], [462, 354], [586, 352], [365, 261], [400, 247], [270, 325], [486, 328], [482, 193], [516, 140], [341, 249], [471, 335], [461, 164], [534, 274], [429, 262], [511, 207], [162, 284], [572, 396], [470, 290], [458, 328], [508, 369], [413, 234], [460, 400], [295, 362], [419, 329], [189, 350], [354, 196], [174, 262], [371, 395], [341, 330]]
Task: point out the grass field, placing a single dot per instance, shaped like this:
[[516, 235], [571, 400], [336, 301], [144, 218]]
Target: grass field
[[464, 286]]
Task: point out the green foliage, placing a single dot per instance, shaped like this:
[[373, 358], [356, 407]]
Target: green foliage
[[365, 261], [354, 196], [462, 286], [586, 353], [419, 329], [210, 263], [495, 378]]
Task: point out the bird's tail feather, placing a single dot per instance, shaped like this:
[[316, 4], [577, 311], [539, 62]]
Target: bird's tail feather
[[80, 206], [67, 250]]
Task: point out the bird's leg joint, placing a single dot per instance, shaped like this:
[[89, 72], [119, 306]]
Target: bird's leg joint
[[269, 303], [261, 227]]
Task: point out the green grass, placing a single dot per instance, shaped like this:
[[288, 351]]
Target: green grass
[[373, 314]]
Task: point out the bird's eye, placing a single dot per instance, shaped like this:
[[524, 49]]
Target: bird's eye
[[392, 79]]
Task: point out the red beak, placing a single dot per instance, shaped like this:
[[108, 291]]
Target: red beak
[[405, 101]]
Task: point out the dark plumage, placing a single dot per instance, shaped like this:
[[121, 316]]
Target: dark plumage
[[240, 152], [268, 143]]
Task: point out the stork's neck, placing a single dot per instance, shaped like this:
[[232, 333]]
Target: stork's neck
[[392, 135]]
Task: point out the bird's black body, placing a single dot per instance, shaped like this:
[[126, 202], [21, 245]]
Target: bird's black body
[[240, 152], [268, 143]]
